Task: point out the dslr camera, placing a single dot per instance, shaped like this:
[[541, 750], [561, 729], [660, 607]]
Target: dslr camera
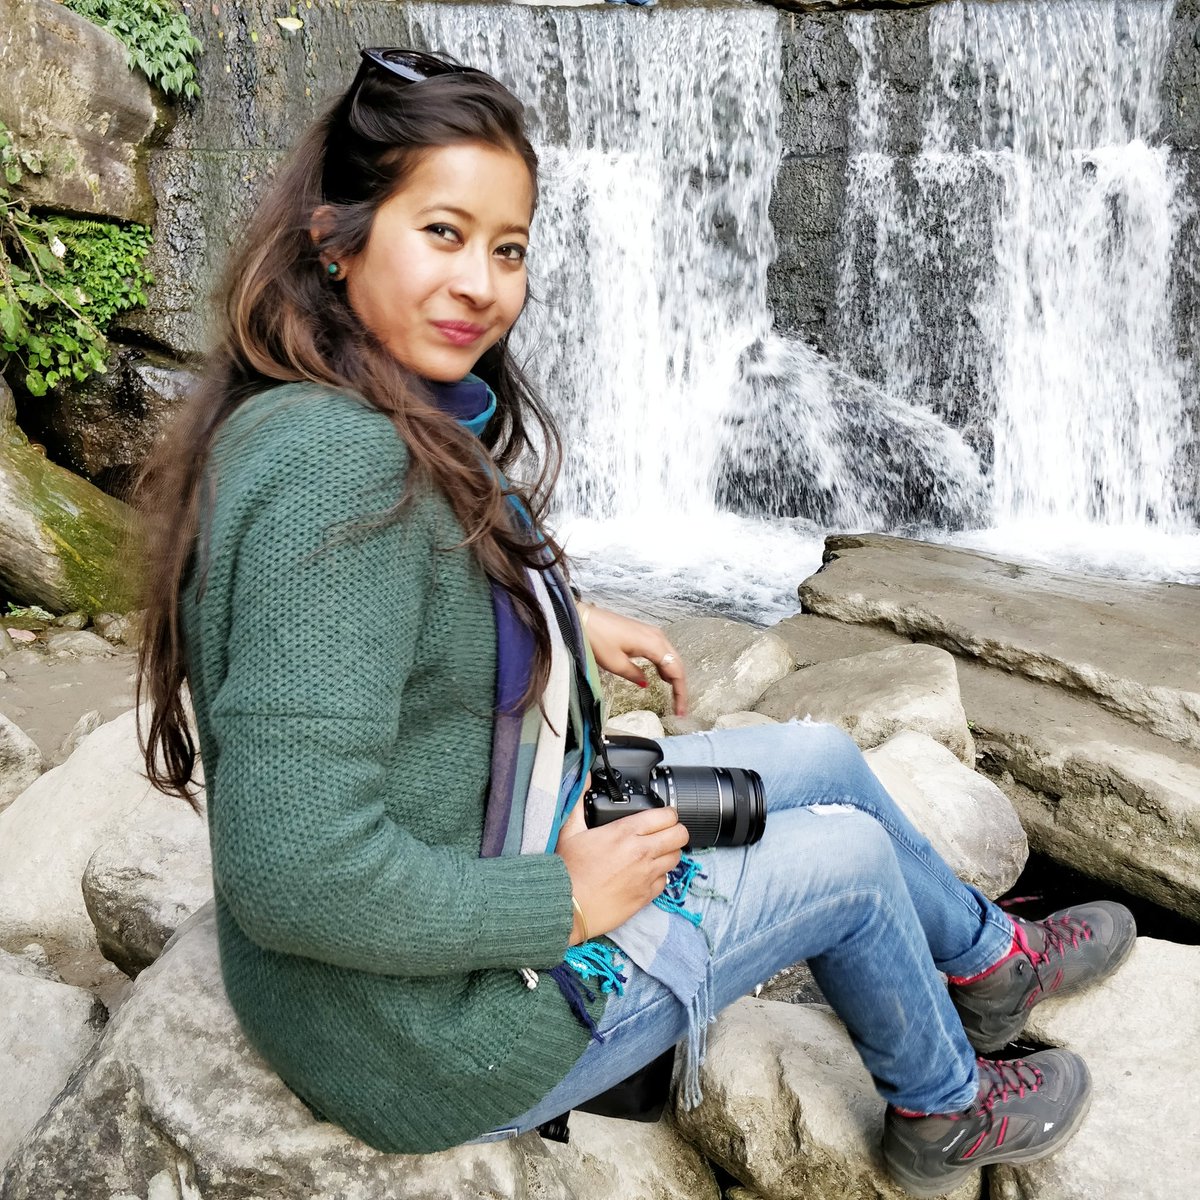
[[718, 806]]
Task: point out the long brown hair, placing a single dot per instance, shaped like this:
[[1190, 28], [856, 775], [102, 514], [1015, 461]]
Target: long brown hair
[[283, 320]]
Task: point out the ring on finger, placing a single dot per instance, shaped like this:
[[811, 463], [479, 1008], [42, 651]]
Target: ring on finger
[[667, 658]]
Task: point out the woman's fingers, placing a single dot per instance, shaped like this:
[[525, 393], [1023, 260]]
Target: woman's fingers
[[671, 669]]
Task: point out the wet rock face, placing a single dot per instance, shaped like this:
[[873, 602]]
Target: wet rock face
[[104, 429], [68, 94]]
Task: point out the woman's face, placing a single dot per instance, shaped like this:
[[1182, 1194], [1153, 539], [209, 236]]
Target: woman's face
[[442, 277]]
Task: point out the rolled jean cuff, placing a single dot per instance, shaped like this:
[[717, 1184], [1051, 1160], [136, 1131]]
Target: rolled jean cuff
[[994, 941]]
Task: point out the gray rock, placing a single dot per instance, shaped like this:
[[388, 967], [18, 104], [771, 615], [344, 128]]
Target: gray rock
[[1138, 1032], [72, 620], [621, 696], [104, 428], [1130, 645], [20, 761], [969, 820], [640, 723], [69, 94], [140, 887], [617, 1160], [742, 720], [872, 696], [31, 963], [79, 643], [88, 723], [789, 1109], [123, 629], [1098, 793], [729, 664], [813, 639], [51, 831], [174, 1098], [793, 985], [48, 1028]]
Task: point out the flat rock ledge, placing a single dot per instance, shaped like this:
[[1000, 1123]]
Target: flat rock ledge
[[1080, 693], [1130, 645]]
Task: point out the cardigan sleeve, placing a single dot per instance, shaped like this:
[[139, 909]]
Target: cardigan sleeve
[[323, 621]]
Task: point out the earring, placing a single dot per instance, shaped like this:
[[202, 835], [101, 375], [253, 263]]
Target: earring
[[333, 270]]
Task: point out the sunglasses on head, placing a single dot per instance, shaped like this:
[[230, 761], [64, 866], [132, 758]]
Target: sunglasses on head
[[413, 66]]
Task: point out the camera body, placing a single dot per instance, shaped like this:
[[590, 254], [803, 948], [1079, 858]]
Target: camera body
[[719, 806]]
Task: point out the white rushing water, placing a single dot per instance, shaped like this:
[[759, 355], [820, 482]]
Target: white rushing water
[[1008, 289], [1022, 272], [656, 133]]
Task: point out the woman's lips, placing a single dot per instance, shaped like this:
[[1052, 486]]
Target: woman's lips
[[460, 333]]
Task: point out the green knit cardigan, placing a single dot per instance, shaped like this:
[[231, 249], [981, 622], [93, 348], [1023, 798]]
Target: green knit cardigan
[[342, 676]]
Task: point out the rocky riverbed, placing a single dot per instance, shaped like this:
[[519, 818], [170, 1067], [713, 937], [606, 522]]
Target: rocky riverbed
[[1003, 707]]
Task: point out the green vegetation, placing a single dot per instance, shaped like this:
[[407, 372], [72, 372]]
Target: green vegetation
[[61, 281], [157, 39]]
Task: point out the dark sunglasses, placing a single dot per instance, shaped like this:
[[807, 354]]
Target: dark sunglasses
[[412, 66]]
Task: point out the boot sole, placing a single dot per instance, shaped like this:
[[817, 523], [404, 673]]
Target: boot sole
[[998, 1043], [926, 1189]]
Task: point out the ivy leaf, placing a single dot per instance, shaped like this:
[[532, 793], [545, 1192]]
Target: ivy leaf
[[12, 173], [10, 319], [36, 383]]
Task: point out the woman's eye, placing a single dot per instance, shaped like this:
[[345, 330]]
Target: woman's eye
[[512, 252], [446, 233]]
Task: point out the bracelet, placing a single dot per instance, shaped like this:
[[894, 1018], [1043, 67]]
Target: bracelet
[[582, 921]]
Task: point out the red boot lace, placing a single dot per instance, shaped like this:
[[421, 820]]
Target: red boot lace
[[1058, 934], [1006, 1077]]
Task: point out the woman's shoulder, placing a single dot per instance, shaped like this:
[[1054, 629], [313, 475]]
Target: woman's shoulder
[[309, 427]]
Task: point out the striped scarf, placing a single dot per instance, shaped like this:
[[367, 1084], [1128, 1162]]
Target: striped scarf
[[540, 760]]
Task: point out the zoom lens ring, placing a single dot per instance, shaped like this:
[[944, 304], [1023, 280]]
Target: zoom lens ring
[[689, 792]]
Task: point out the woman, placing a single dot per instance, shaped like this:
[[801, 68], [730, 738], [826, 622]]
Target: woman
[[394, 706]]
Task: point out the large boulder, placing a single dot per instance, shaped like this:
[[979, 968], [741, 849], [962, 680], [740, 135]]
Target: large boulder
[[1094, 791], [105, 427], [872, 696], [1130, 645], [729, 664], [175, 1103], [20, 761], [1138, 1032], [69, 95], [48, 835], [47, 1028], [969, 820], [790, 1110], [63, 542]]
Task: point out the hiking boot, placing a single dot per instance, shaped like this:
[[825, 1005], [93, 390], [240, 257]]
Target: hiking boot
[[1026, 1108], [1053, 957]]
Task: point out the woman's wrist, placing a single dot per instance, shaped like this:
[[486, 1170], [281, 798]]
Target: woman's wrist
[[579, 925]]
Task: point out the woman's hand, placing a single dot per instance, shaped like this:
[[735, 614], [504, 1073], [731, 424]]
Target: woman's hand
[[616, 641], [620, 867]]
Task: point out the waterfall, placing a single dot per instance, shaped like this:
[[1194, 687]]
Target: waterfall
[[652, 240], [704, 456], [1017, 273], [1005, 360]]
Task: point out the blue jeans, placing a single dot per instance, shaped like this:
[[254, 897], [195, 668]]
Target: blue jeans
[[841, 878]]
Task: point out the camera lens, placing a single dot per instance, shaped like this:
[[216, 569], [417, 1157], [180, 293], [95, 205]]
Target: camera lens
[[720, 806]]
